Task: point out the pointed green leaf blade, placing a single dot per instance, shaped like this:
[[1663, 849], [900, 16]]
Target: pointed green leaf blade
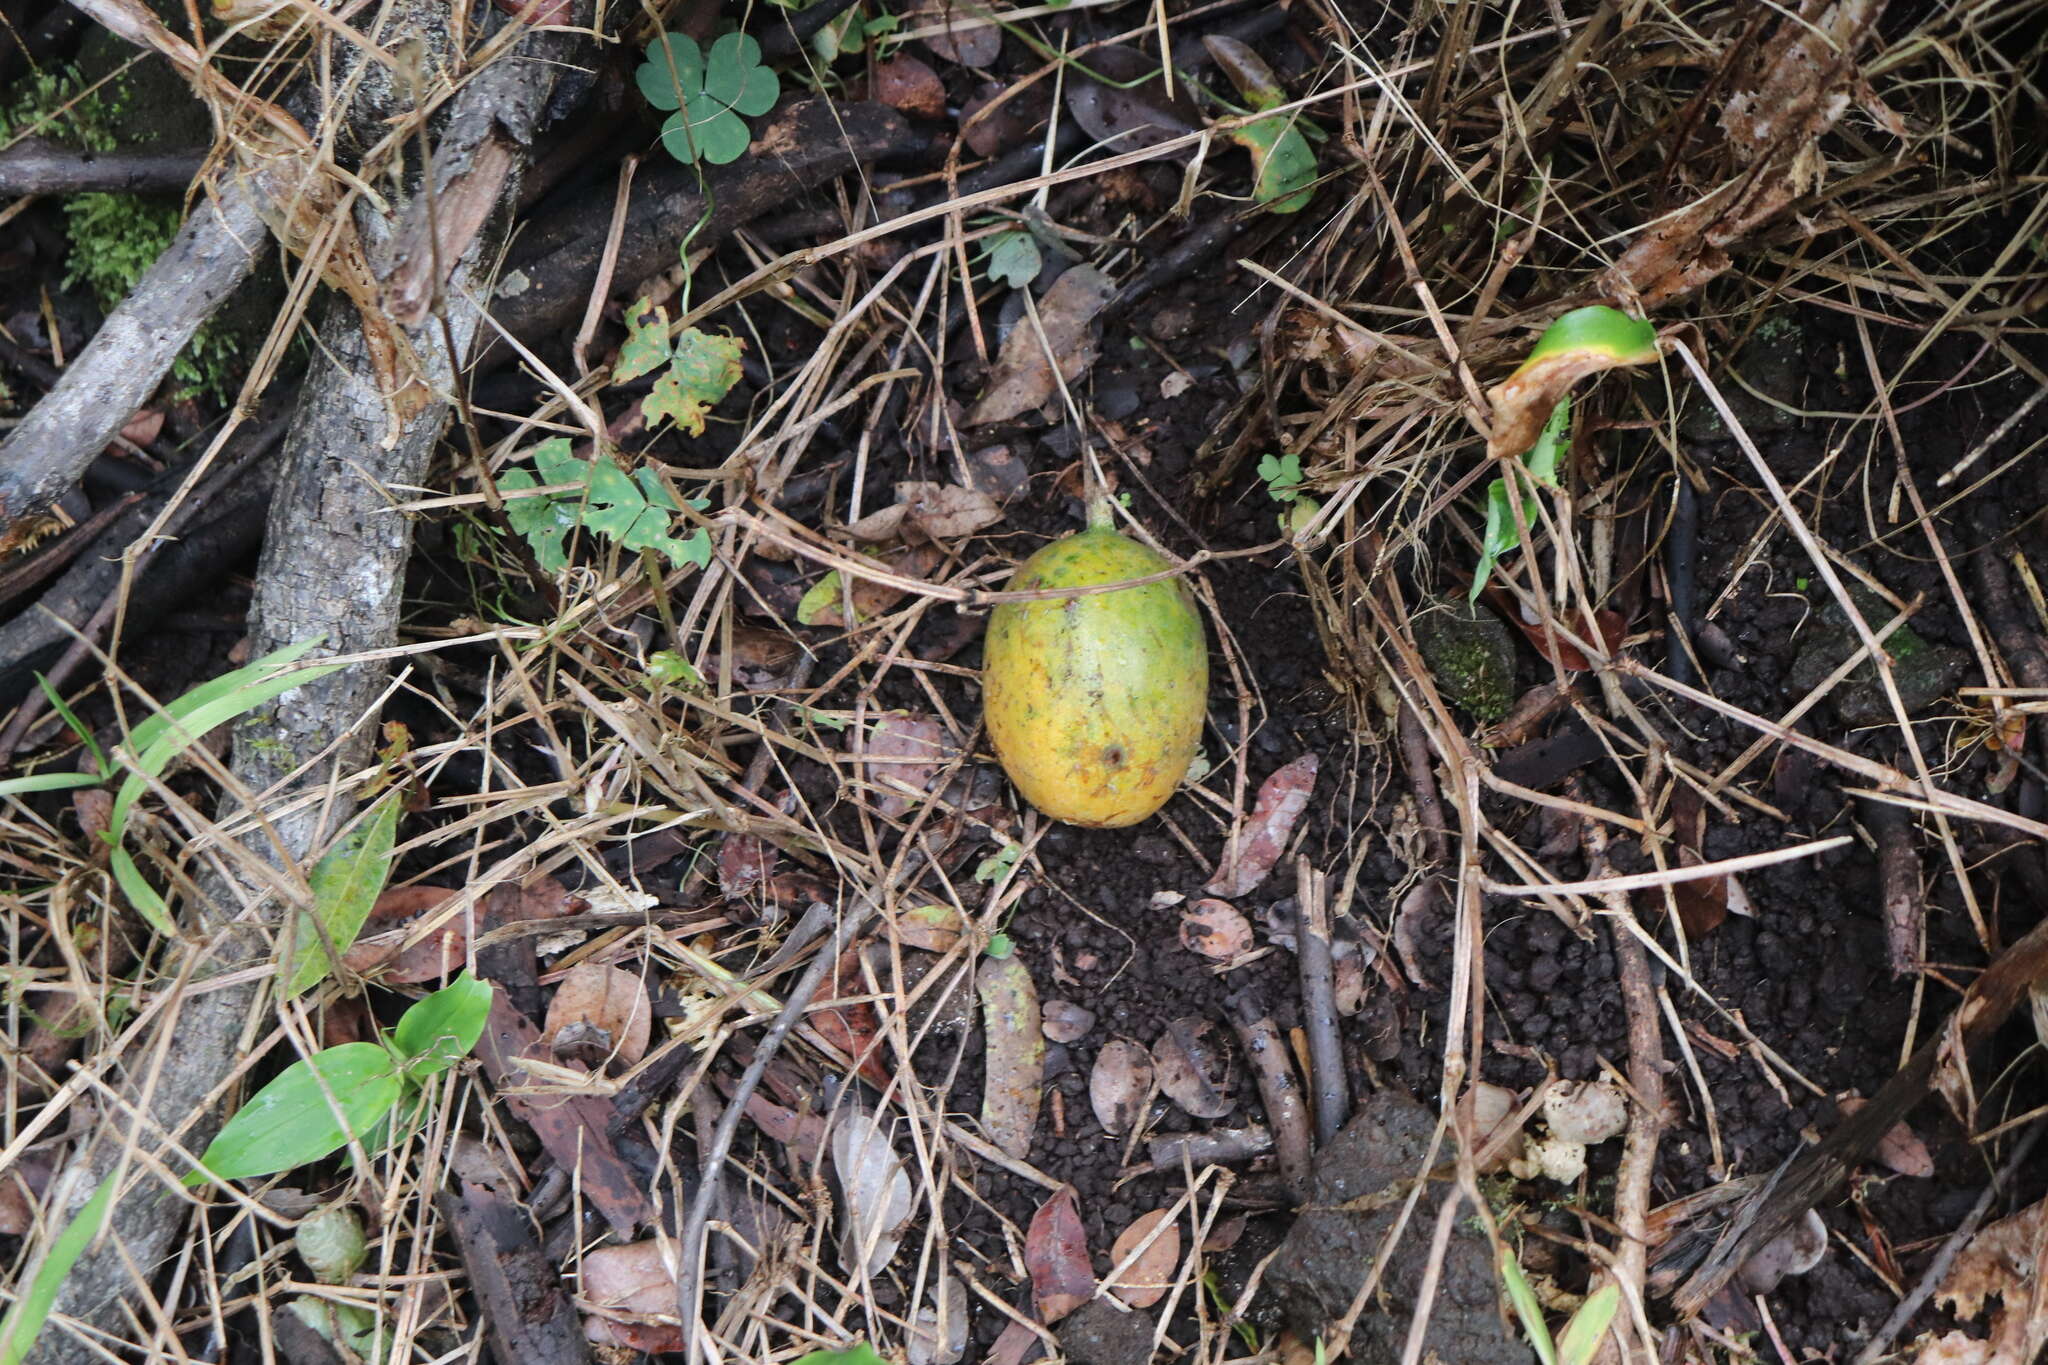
[[345, 885], [291, 1121], [1582, 1336], [142, 897], [439, 1031], [24, 1321], [1526, 1307], [46, 782]]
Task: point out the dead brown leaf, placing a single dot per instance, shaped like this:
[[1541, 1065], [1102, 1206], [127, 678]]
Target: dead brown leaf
[[903, 755], [1216, 930], [1023, 379], [903, 82], [634, 1280], [964, 33], [600, 1015], [1263, 837], [1194, 1068], [2003, 1261], [1900, 1149], [1151, 1275], [1119, 1085], [945, 511]]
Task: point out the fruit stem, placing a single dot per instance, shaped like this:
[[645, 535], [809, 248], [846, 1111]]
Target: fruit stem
[[1101, 517]]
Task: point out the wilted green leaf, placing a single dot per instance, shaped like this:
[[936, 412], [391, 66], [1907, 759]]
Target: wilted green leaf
[[824, 602], [331, 1243], [1013, 258], [437, 1032], [702, 370], [646, 348], [1526, 1307], [293, 1120], [1283, 164], [345, 884]]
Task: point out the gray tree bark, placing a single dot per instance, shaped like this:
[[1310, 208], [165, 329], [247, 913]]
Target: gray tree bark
[[332, 569]]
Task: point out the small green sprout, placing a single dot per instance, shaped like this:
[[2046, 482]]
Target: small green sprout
[[1000, 864], [1283, 476], [1582, 1335]]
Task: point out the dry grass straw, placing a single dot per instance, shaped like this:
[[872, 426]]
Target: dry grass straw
[[1485, 163]]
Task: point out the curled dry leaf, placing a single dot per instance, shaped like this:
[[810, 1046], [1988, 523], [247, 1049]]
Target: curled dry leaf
[[938, 1334], [1022, 379], [945, 511], [903, 82], [875, 1193], [803, 1134], [634, 1280], [2000, 1262], [1900, 1149], [1014, 1071], [1582, 342], [1216, 930], [1120, 1084], [1151, 1275], [1193, 1065], [1056, 1254], [1067, 1022], [1263, 838], [761, 658], [825, 603], [963, 34], [600, 1014]]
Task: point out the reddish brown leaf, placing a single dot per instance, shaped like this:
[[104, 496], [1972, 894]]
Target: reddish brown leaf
[[1216, 930], [1263, 837], [398, 912], [1702, 902], [1016, 1342], [904, 82], [1120, 1084], [574, 1128], [1151, 1275], [1056, 1254], [1022, 378], [803, 1134], [143, 427], [744, 862], [600, 1015], [854, 1028], [904, 755]]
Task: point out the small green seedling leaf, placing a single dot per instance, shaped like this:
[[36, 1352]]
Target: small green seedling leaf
[[860, 1353], [999, 864], [439, 1031], [346, 1325], [671, 669], [821, 603], [1582, 1336], [1282, 474], [1013, 258], [293, 1120], [160, 739], [1527, 1308], [1000, 946], [345, 885], [76, 726], [703, 368], [24, 1321], [646, 347], [636, 512]]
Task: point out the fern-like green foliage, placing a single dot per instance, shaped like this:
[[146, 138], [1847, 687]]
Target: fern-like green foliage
[[635, 513]]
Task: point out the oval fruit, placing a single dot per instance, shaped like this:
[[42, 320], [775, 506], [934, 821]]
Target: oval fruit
[[1095, 703]]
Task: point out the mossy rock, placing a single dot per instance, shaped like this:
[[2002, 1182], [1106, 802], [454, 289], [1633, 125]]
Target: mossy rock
[[1924, 671], [1470, 654]]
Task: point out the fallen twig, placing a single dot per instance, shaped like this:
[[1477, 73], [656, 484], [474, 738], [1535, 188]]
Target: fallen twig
[[38, 166], [1328, 1085]]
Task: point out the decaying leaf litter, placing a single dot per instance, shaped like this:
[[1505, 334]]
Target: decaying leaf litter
[[1586, 821]]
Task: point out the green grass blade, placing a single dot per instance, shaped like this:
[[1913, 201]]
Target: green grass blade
[[24, 1322], [78, 727], [152, 729], [1582, 1336], [345, 885], [46, 782], [142, 897], [1526, 1307], [180, 732]]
